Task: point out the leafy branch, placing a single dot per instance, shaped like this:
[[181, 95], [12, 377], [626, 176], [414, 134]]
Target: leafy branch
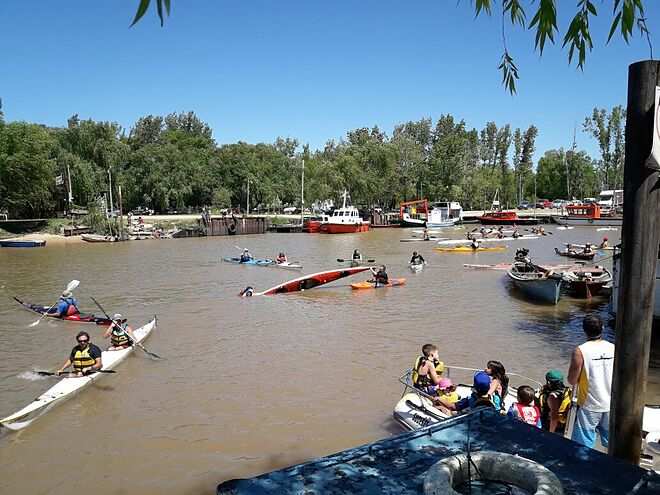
[[144, 5]]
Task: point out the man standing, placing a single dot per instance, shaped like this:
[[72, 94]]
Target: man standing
[[591, 370]]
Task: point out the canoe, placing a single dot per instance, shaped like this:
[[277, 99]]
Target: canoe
[[468, 249], [416, 267], [576, 255], [455, 242], [79, 318], [287, 265], [18, 243], [310, 281], [257, 261], [67, 387], [393, 282], [535, 283]]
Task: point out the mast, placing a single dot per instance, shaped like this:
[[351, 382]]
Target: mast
[[247, 206], [302, 194]]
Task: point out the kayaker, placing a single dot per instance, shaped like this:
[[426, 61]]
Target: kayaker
[[500, 232], [427, 370], [380, 276], [587, 249], [246, 256], [478, 398], [417, 259], [541, 231], [426, 234], [85, 357], [515, 234], [499, 385], [554, 402], [281, 258], [247, 292], [66, 306], [524, 409], [121, 335], [357, 256], [591, 369], [475, 244], [604, 244]]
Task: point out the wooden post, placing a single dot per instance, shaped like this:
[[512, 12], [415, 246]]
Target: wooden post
[[121, 216], [639, 237]]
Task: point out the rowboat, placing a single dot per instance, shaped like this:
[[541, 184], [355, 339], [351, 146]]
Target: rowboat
[[368, 284], [18, 243], [469, 249], [258, 262], [313, 280], [569, 253], [79, 318], [456, 242], [587, 282], [68, 386], [98, 238], [416, 267], [535, 282], [287, 266]]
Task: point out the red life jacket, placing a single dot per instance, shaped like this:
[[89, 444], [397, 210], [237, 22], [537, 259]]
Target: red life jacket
[[529, 414]]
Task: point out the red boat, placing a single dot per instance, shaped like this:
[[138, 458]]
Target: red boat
[[345, 220], [313, 225], [505, 218]]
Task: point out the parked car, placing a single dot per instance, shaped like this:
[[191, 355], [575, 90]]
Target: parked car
[[524, 205], [142, 211], [559, 203], [543, 203]]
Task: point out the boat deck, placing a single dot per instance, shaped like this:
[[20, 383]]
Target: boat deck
[[399, 464]]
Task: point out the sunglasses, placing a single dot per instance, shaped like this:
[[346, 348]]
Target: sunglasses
[[84, 341]]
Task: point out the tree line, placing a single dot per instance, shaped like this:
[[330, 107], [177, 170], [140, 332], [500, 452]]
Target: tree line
[[172, 162]]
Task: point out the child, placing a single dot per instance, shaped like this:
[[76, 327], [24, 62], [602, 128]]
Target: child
[[427, 369], [525, 410], [447, 391]]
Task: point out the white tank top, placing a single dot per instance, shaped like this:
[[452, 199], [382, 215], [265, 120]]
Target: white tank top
[[595, 381]]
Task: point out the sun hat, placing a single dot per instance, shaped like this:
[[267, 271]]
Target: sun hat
[[481, 382], [445, 383]]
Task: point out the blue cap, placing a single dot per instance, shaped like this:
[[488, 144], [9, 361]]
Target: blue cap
[[481, 382]]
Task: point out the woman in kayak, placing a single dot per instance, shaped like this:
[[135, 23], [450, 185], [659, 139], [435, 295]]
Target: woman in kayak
[[281, 258], [85, 357], [121, 335]]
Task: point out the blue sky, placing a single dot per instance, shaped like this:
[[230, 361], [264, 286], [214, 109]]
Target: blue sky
[[255, 70]]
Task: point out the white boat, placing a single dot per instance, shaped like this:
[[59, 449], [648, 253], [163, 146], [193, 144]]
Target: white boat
[[445, 214], [416, 267], [287, 265], [98, 238], [67, 387], [456, 242]]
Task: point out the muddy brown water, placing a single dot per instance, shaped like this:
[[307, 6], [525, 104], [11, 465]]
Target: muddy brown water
[[251, 385]]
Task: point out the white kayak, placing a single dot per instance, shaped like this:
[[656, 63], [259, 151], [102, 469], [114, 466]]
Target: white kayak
[[455, 242], [416, 267], [287, 265], [69, 386]]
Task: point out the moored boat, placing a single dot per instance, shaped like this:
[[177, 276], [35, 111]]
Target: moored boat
[[535, 282], [414, 213], [586, 282], [313, 280], [79, 318], [68, 386], [98, 238], [444, 214], [505, 218], [587, 215], [368, 284], [22, 243], [345, 220]]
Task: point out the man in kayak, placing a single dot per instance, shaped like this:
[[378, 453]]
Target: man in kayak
[[247, 292], [281, 258], [515, 234], [417, 259], [475, 244], [380, 276], [66, 306], [604, 244], [246, 256], [85, 357], [587, 249], [426, 235], [121, 335], [357, 256]]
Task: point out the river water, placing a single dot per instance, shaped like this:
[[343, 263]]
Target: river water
[[251, 385]]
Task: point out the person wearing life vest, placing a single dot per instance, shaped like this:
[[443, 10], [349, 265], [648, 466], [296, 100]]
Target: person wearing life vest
[[591, 369], [380, 276], [281, 258], [121, 335], [66, 306], [554, 401], [246, 256], [357, 256], [427, 370], [85, 358], [417, 259], [475, 244], [478, 398], [524, 409]]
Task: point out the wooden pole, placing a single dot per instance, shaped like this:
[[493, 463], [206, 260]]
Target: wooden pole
[[121, 215], [639, 237]]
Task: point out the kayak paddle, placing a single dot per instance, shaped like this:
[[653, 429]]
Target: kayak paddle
[[54, 373], [70, 287], [138, 344], [340, 260]]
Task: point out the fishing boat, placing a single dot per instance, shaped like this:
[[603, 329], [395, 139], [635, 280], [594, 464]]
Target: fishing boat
[[257, 261], [307, 282], [79, 318], [416, 267], [586, 282], [414, 213], [456, 242], [571, 253], [444, 214], [345, 220], [98, 238], [469, 249], [369, 284], [68, 386], [535, 282], [22, 243], [587, 215]]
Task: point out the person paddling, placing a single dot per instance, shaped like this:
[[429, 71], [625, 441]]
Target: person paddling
[[357, 256], [380, 276], [121, 335], [426, 235], [604, 244], [246, 256], [281, 258], [475, 244], [66, 306], [85, 357], [417, 259]]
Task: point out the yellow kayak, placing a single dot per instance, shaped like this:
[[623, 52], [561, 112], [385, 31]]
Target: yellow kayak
[[469, 249], [367, 284]]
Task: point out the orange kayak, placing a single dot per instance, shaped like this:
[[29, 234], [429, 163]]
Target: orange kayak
[[371, 285]]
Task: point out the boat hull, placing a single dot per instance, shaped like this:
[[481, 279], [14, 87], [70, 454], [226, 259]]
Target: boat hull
[[257, 262], [79, 318], [310, 281], [469, 249], [545, 290], [416, 267], [345, 228], [22, 244]]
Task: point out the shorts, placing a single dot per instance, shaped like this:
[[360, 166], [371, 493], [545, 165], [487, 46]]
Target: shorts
[[586, 425]]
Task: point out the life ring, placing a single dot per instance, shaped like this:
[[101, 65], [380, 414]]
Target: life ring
[[231, 228], [443, 476]]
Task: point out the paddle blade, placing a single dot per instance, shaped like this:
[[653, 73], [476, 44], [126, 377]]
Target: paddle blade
[[45, 373], [34, 323], [340, 260], [72, 285]]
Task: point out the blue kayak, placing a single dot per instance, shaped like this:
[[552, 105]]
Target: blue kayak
[[258, 262]]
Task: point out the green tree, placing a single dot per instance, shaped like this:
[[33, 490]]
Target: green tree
[[608, 129]]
